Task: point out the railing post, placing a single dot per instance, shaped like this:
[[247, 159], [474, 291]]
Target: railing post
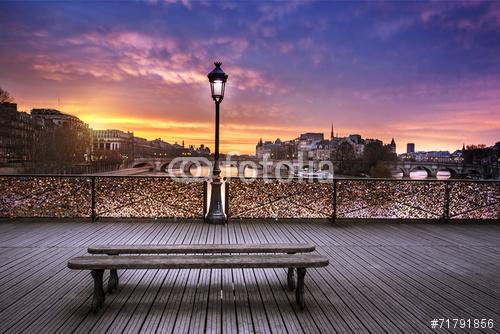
[[92, 195], [446, 208], [334, 200], [205, 189], [226, 198]]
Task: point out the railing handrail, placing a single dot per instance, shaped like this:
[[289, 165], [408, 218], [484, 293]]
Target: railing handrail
[[271, 178], [88, 176], [363, 179]]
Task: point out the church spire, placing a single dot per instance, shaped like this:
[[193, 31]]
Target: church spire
[[393, 145], [331, 133]]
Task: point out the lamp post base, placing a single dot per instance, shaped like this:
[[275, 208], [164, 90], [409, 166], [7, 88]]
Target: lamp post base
[[215, 212]]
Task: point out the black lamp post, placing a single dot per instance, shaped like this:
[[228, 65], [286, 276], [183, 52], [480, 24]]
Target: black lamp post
[[217, 80]]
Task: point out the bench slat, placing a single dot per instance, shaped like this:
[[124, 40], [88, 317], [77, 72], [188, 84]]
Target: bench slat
[[193, 249], [198, 261]]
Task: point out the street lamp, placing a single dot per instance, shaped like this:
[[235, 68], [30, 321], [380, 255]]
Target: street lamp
[[217, 79]]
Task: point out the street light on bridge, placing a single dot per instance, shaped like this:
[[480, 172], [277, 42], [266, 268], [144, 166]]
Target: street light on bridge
[[217, 79]]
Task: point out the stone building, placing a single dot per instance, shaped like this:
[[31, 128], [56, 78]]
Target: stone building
[[112, 140], [17, 132]]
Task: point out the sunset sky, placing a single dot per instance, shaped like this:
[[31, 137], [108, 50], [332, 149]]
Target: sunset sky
[[420, 72]]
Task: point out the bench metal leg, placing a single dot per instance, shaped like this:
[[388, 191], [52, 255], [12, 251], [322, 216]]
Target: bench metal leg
[[299, 293], [113, 280], [291, 279], [98, 299]]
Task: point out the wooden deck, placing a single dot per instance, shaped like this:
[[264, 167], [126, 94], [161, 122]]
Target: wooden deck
[[381, 278]]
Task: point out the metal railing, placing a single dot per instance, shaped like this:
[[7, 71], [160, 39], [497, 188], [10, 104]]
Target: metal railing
[[101, 196], [165, 197], [365, 199]]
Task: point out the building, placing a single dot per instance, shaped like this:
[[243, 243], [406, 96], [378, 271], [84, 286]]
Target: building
[[371, 140], [437, 156], [142, 148], [17, 133], [313, 146], [356, 142], [112, 140], [201, 151], [410, 148], [312, 136], [56, 117], [160, 144], [270, 150], [6, 107], [392, 146], [356, 139], [20, 131], [323, 150], [128, 145]]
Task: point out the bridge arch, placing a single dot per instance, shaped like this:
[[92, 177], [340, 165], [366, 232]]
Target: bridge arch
[[284, 166], [164, 167], [453, 172], [397, 170], [185, 164], [424, 168], [252, 165], [143, 164], [196, 163]]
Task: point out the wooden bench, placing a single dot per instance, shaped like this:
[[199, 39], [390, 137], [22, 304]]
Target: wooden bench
[[97, 265], [199, 249]]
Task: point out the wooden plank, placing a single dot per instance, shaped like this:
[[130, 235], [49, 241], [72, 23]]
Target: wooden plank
[[202, 248], [228, 307], [66, 310], [257, 310], [91, 320], [193, 284], [214, 312], [134, 304], [241, 306], [172, 277], [169, 316], [295, 320]]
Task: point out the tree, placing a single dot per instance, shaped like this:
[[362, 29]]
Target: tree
[[111, 157], [380, 171], [373, 156], [345, 158], [60, 147], [480, 154], [5, 96]]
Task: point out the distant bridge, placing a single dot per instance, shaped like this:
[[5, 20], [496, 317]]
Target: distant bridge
[[456, 170], [186, 163], [270, 166], [433, 167]]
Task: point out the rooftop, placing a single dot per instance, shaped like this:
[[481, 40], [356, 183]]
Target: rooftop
[[382, 277]]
